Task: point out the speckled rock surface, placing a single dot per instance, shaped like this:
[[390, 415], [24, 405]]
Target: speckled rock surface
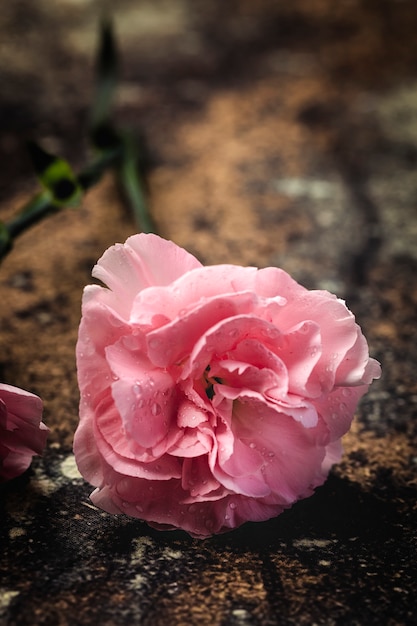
[[279, 134]]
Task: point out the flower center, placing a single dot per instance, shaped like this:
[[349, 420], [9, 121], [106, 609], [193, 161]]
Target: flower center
[[209, 382]]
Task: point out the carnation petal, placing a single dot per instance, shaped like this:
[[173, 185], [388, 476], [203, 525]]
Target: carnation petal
[[144, 260]]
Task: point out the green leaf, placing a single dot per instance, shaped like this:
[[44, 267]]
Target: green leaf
[[5, 240], [106, 76]]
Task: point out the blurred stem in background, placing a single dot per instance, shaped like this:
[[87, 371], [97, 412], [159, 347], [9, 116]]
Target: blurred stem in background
[[112, 149]]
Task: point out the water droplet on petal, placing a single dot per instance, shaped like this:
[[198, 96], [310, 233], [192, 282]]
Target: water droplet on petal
[[232, 505], [155, 409], [270, 332], [154, 343], [346, 392], [252, 445], [139, 508]]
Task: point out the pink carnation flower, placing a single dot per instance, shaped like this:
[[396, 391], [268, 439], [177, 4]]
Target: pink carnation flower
[[22, 434], [210, 396]]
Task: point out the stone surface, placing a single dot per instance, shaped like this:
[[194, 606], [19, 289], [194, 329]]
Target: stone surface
[[279, 134]]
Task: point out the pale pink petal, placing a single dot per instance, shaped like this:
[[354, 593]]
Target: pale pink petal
[[334, 451], [338, 407], [189, 415], [225, 336], [191, 444], [197, 477], [22, 433], [144, 260], [356, 368], [172, 342], [291, 454]]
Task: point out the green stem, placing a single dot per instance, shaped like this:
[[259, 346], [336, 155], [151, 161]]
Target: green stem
[[133, 185], [38, 208], [44, 204]]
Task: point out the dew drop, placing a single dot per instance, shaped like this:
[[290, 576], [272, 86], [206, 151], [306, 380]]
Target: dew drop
[[232, 505], [226, 517], [252, 445], [137, 388], [155, 409], [346, 392], [270, 333], [154, 343], [139, 508]]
